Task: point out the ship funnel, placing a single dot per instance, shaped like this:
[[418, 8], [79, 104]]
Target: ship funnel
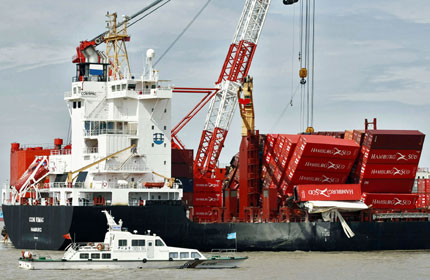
[[57, 143], [91, 55]]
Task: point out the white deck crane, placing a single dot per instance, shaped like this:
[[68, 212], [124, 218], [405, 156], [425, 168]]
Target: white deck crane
[[234, 70]]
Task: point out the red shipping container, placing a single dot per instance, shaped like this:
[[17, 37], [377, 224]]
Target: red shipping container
[[188, 198], [423, 201], [207, 185], [312, 177], [427, 185], [358, 136], [267, 158], [204, 213], [327, 192], [390, 156], [388, 171], [421, 186], [394, 139], [207, 199], [182, 156], [390, 200], [326, 146], [286, 188], [387, 185], [184, 170], [277, 175], [271, 139], [321, 164]]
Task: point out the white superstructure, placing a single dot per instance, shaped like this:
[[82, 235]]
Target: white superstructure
[[108, 116]]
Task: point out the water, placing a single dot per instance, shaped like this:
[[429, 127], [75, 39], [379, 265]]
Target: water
[[260, 265]]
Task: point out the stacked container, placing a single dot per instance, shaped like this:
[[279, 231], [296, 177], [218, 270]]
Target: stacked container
[[207, 194], [278, 151], [389, 161], [182, 171], [387, 167], [423, 190], [321, 160]]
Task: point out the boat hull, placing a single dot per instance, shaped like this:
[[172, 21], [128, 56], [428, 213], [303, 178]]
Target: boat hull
[[80, 265], [43, 227]]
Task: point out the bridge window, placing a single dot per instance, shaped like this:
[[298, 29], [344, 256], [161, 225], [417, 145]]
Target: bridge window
[[95, 256], [137, 242], [195, 255], [122, 242], [158, 242], [84, 256], [106, 256], [173, 255], [185, 255]]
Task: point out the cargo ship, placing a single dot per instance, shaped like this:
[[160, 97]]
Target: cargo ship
[[314, 191]]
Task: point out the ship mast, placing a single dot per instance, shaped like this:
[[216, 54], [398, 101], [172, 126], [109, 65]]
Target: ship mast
[[116, 50]]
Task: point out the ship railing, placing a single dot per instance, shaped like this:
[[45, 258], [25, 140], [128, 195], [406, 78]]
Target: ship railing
[[223, 251], [44, 146], [61, 152], [67, 94], [101, 131], [91, 150], [58, 185], [91, 203], [125, 167]]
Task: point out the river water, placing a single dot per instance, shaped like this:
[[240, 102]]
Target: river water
[[260, 265]]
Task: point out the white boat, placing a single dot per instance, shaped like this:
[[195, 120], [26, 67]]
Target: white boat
[[123, 249]]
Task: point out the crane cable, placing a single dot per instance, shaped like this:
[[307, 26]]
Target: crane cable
[[183, 31], [293, 93], [145, 15], [307, 54]]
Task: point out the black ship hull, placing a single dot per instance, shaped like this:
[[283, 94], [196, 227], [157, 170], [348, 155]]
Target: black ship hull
[[43, 227]]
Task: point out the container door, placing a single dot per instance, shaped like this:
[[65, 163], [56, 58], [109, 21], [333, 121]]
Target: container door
[[150, 250]]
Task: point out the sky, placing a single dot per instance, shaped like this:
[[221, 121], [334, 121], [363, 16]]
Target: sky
[[372, 60]]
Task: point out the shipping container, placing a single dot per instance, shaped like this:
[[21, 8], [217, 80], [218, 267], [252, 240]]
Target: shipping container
[[182, 170], [390, 156], [185, 183], [188, 198], [388, 171], [182, 156], [390, 200], [326, 146], [348, 135], [387, 185], [207, 199], [321, 164], [394, 139], [286, 188], [423, 201], [327, 192], [313, 177], [203, 213], [423, 186], [358, 136], [207, 185]]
